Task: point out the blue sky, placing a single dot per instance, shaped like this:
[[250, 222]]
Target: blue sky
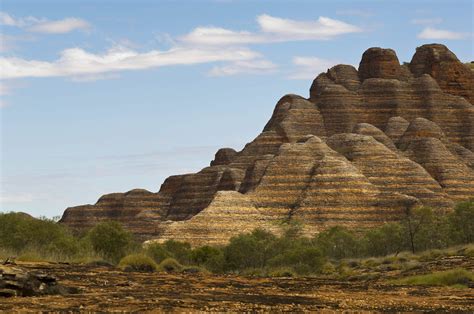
[[106, 96]]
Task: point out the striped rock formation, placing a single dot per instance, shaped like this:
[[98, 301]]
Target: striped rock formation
[[366, 146]]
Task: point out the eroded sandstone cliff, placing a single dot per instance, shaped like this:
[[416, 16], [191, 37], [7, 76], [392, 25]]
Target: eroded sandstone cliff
[[366, 146]]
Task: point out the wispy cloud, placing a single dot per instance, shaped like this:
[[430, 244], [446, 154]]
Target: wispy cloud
[[75, 62], [244, 67], [435, 33], [60, 27], [310, 67], [43, 25], [8, 20], [272, 29], [201, 45], [427, 21]]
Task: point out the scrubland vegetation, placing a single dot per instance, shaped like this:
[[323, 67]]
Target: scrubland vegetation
[[421, 235]]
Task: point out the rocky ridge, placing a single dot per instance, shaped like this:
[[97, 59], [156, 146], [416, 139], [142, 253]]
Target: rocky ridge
[[367, 145]]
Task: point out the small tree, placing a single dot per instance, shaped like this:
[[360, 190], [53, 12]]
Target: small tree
[[462, 222], [110, 240], [384, 240], [415, 220]]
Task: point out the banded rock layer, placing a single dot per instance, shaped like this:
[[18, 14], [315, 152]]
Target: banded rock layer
[[365, 147]]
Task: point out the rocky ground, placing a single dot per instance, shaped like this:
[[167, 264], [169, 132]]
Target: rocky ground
[[102, 288]]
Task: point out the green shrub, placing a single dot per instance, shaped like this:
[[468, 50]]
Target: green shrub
[[282, 272], [31, 256], [195, 270], [383, 240], [431, 255], [170, 265], [253, 272], [343, 271], [462, 222], [202, 255], [157, 252], [110, 240], [338, 242], [137, 262], [20, 232], [304, 260], [328, 269], [458, 276], [249, 250], [181, 251], [216, 263], [410, 265], [469, 251]]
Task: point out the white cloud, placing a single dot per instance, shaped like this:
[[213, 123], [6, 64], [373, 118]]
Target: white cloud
[[241, 67], [75, 62], [220, 36], [427, 21], [323, 28], [272, 29], [43, 25], [310, 67], [434, 33], [8, 20], [59, 27]]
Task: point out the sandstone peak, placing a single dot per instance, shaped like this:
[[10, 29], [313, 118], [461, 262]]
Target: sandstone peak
[[365, 146], [379, 63], [224, 156], [439, 62]]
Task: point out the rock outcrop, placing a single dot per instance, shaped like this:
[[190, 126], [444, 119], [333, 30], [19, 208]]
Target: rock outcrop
[[366, 146], [15, 281]]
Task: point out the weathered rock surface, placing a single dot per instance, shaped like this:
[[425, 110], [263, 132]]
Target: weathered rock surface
[[366, 146], [453, 76], [17, 281]]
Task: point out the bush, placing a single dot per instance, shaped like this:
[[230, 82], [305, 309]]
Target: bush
[[304, 260], [384, 240], [328, 269], [195, 270], [137, 262], [170, 265], [249, 250], [110, 240], [157, 252], [21, 233], [216, 263], [181, 251], [203, 254], [282, 272], [338, 242], [462, 222], [458, 276]]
